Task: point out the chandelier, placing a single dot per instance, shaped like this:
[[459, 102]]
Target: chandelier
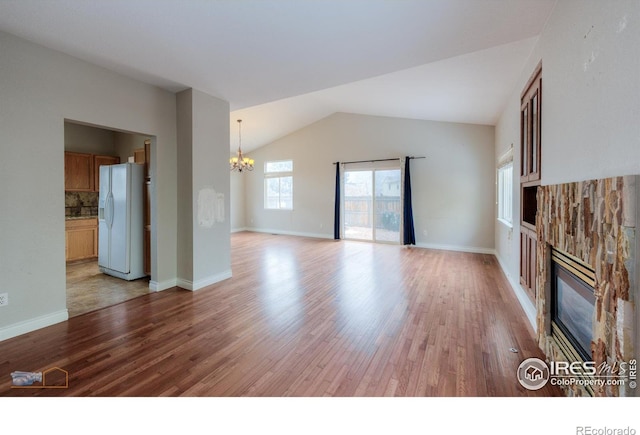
[[240, 163]]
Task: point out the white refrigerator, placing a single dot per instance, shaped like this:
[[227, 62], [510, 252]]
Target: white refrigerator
[[120, 221]]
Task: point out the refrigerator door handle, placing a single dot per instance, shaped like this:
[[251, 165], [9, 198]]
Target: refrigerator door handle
[[109, 210]]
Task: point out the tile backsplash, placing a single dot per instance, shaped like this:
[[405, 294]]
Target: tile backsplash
[[81, 204]]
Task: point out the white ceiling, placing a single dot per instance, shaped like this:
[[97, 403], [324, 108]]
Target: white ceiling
[[283, 64]]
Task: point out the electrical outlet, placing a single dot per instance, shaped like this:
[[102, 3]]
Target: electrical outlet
[[4, 299]]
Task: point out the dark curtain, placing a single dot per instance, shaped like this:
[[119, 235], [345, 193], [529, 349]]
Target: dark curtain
[[409, 235], [336, 218]]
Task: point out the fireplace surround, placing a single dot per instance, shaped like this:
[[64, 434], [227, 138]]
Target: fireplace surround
[[594, 223]]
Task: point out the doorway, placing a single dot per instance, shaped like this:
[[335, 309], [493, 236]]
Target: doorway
[[88, 147], [372, 205]]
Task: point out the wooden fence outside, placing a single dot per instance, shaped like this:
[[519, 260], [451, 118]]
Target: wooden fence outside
[[358, 212]]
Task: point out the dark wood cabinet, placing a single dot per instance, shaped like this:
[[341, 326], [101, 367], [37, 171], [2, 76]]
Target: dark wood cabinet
[[530, 129], [530, 174], [528, 248]]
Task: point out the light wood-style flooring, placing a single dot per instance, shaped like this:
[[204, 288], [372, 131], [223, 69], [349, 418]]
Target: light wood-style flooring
[[88, 289], [300, 317]]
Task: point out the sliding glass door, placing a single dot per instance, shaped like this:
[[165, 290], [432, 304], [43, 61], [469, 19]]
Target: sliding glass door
[[387, 205], [358, 205], [372, 205]]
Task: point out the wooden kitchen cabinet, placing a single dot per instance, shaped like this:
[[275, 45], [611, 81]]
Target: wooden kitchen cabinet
[[82, 171], [78, 172], [81, 236], [139, 156], [102, 161]]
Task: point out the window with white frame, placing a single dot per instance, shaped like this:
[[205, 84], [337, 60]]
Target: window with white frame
[[505, 192], [278, 185]]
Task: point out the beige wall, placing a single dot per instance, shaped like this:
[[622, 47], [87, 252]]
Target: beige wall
[[184, 104], [203, 179], [453, 188], [93, 140], [39, 89], [590, 81], [237, 182], [126, 144], [86, 139]]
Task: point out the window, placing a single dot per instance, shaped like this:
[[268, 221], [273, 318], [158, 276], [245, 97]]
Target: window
[[278, 185], [505, 193]]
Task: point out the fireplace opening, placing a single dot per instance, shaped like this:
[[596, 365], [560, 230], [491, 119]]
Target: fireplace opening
[[573, 302]]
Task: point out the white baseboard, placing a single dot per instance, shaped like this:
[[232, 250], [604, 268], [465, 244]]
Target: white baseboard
[[210, 280], [471, 249], [290, 233], [525, 302], [33, 324], [417, 245], [163, 285], [238, 230]]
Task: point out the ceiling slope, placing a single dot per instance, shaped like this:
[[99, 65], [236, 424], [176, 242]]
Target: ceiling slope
[[253, 52]]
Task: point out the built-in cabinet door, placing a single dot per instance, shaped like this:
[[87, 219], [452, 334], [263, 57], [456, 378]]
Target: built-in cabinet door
[[78, 172], [82, 171], [530, 129], [524, 142], [81, 237], [528, 255], [533, 243], [524, 259], [534, 126], [139, 156]]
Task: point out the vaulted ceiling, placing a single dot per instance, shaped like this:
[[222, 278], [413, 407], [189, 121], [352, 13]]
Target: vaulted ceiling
[[283, 64]]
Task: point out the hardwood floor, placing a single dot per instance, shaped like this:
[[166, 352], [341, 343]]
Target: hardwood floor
[[300, 317]]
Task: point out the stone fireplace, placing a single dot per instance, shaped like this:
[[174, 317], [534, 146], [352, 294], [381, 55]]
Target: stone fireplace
[[572, 302], [591, 224]]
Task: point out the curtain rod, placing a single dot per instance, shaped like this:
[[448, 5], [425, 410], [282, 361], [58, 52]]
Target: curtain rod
[[378, 160]]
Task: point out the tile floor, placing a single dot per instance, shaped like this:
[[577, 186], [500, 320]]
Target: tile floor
[[88, 289]]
